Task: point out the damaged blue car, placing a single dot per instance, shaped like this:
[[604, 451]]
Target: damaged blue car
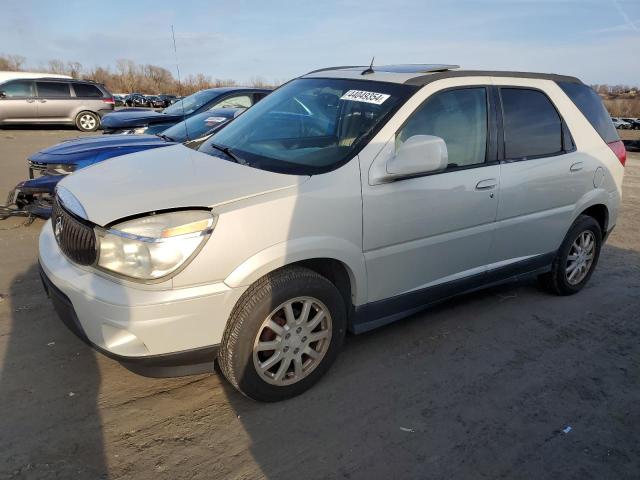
[[47, 167]]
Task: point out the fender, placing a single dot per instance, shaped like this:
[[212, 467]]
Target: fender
[[598, 196], [299, 249]]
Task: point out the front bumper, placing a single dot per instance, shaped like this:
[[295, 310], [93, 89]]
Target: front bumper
[[153, 331]]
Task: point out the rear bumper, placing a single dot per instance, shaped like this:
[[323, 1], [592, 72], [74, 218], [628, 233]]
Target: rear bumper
[[176, 364]]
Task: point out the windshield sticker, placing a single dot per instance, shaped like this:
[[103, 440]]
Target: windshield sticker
[[364, 96]]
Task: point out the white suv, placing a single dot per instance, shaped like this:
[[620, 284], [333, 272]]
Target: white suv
[[347, 199]]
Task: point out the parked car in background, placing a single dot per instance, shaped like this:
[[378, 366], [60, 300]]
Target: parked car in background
[[167, 99], [54, 101], [135, 100], [634, 123], [47, 167], [620, 124], [118, 100], [149, 121], [347, 199], [154, 101]]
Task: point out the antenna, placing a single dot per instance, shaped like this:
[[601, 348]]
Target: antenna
[[370, 69], [175, 52]]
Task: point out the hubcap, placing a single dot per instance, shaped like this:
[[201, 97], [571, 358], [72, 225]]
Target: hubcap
[[580, 257], [87, 122], [292, 341]]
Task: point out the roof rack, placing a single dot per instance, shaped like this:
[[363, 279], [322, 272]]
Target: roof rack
[[400, 68]]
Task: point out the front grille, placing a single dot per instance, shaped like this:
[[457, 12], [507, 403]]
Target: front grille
[[76, 240]]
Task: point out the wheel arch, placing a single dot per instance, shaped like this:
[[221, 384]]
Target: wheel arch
[[337, 260], [600, 213]]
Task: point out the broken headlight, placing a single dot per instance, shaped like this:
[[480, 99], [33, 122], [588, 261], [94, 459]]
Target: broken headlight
[[60, 168], [152, 247]]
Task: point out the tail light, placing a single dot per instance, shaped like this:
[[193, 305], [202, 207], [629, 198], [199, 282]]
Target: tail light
[[619, 150], [109, 100]]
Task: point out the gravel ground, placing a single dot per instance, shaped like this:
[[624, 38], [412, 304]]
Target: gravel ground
[[505, 383]]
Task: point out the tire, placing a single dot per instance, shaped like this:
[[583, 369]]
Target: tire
[[87, 121], [561, 280], [246, 330]]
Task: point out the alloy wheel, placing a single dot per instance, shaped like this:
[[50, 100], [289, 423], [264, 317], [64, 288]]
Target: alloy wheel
[[580, 258], [292, 341]]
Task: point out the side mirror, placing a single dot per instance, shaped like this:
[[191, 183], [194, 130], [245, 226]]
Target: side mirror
[[419, 154], [3, 94]]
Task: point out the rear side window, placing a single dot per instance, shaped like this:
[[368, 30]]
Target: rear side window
[[53, 89], [532, 126], [18, 88], [86, 90], [591, 106]]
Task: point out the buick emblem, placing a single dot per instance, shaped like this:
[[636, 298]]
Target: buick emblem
[[58, 228]]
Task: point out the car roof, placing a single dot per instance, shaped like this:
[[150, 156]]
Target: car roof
[[58, 80], [422, 74], [235, 89]]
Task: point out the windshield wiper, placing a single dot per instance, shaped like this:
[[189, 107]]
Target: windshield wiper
[[227, 151]]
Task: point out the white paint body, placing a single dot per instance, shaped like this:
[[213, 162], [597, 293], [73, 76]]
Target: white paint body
[[393, 238]]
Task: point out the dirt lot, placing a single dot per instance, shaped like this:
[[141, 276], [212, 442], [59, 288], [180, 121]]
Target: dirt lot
[[482, 387]]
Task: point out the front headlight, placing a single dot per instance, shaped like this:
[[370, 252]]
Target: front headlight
[[155, 246], [60, 168]]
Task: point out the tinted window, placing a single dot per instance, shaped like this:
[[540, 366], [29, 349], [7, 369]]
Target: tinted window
[[86, 90], [591, 106], [459, 117], [18, 88], [532, 126], [53, 89]]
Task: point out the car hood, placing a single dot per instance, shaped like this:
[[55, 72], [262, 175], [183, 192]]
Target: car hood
[[167, 178], [136, 118], [92, 145]]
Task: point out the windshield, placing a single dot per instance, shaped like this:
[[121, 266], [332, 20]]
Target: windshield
[[310, 125], [197, 126], [191, 103]]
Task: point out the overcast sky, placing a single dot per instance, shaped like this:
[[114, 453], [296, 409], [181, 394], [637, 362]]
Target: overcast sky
[[596, 40]]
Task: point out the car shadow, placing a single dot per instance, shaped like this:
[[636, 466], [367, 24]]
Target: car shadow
[[487, 385], [50, 425]]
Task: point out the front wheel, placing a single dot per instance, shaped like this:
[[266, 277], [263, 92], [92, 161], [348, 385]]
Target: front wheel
[[576, 259], [283, 334], [87, 122]]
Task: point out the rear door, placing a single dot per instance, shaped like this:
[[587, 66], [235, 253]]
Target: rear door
[[54, 101], [541, 178], [18, 103]]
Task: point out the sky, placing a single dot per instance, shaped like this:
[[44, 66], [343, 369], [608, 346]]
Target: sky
[[596, 40]]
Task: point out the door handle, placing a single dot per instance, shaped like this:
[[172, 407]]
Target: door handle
[[42, 100], [576, 167], [31, 100], [487, 184]]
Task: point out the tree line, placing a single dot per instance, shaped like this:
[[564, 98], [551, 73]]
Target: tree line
[[128, 76]]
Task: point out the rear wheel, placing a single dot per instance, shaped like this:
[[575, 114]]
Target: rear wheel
[[87, 122], [283, 334], [576, 259]]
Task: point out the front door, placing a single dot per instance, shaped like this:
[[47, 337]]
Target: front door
[[435, 229], [18, 103]]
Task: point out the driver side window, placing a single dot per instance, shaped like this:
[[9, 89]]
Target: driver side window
[[457, 116]]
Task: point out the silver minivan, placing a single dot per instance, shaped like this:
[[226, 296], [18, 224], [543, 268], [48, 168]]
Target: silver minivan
[[54, 101], [345, 200]]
